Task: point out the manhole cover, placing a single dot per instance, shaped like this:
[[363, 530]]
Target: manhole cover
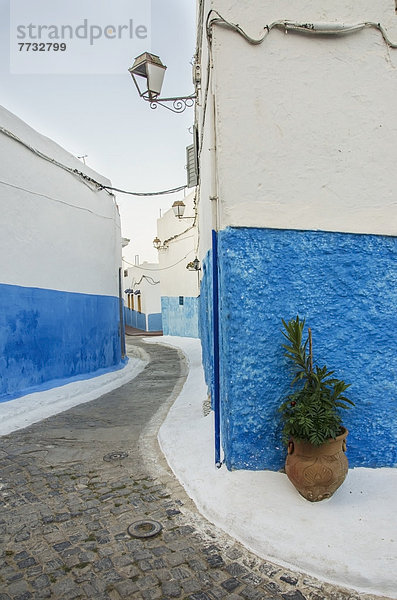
[[115, 456], [144, 529]]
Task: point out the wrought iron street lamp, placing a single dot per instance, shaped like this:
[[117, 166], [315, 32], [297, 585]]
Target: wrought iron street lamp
[[158, 245], [194, 265], [150, 68], [179, 209]]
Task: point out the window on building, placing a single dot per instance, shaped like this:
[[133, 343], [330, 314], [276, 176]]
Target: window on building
[[125, 272], [130, 300], [180, 300], [192, 163]]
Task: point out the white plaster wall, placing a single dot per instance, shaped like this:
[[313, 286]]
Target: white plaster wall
[[146, 278], [55, 231], [306, 127], [204, 118], [208, 218], [176, 280]]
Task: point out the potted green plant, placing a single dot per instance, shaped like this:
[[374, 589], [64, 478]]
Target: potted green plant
[[312, 425]]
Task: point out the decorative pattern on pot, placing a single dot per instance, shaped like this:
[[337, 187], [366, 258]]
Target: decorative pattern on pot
[[317, 471]]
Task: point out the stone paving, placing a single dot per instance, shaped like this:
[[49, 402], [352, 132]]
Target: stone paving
[[65, 511]]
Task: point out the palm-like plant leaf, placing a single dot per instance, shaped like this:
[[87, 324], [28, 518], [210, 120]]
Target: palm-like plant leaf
[[311, 411]]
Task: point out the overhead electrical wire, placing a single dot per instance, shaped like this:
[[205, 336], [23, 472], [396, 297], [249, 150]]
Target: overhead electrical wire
[[162, 268], [49, 159], [162, 193], [86, 179]]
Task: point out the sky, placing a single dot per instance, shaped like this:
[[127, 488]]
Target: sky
[[101, 115]]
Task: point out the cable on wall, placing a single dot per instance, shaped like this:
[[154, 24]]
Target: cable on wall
[[200, 23], [177, 235], [188, 237], [18, 187], [309, 28], [192, 226], [148, 278], [323, 29]]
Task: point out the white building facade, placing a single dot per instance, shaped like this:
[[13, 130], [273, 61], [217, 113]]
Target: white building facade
[[60, 266], [179, 284], [297, 209], [142, 297]]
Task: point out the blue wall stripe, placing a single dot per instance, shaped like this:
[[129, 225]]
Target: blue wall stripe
[[155, 322], [48, 335], [206, 323], [133, 318], [345, 285]]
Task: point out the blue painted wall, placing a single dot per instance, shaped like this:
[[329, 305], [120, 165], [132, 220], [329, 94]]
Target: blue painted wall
[[180, 320], [155, 322], [49, 336], [345, 285], [206, 322], [134, 318]]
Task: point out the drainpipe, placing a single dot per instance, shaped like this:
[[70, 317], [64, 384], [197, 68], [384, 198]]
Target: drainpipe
[[215, 283], [121, 316], [215, 304]]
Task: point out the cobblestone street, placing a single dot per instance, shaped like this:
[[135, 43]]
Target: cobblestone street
[[65, 509]]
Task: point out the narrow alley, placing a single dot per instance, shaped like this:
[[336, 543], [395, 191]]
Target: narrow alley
[[73, 484]]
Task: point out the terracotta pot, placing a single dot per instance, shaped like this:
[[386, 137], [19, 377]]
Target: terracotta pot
[[317, 471]]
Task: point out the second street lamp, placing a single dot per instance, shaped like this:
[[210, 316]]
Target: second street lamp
[[179, 209]]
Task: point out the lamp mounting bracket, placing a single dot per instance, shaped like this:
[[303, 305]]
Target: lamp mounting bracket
[[176, 105]]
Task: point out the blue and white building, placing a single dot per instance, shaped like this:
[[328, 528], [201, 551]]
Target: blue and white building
[[142, 301], [177, 249], [297, 211], [60, 266]]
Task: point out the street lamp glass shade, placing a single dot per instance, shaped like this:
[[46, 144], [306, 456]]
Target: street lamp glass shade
[[179, 208], [155, 78], [150, 67]]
